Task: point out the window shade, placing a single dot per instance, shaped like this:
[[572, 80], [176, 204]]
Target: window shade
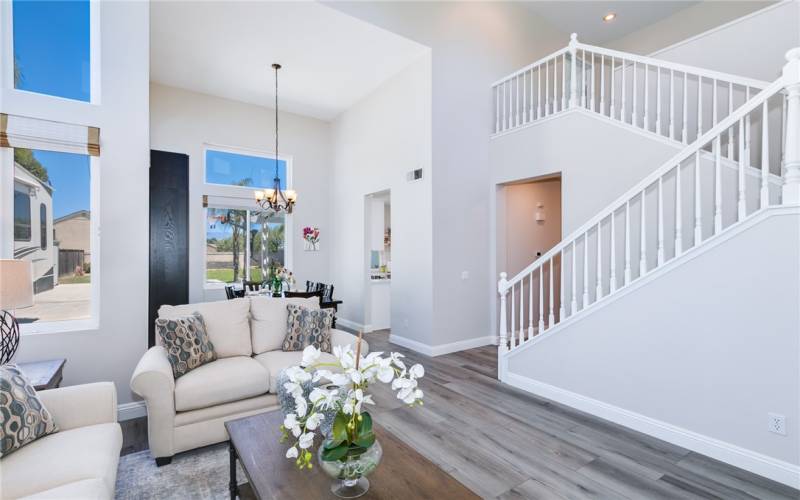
[[33, 133]]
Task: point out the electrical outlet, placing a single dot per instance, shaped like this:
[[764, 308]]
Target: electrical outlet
[[776, 423]]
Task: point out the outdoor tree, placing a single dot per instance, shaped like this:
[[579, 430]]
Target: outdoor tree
[[25, 158]]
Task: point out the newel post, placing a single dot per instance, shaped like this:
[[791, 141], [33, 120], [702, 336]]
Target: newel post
[[503, 291], [791, 161], [573, 71]]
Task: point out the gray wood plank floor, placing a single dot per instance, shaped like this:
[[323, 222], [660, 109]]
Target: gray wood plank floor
[[507, 444]]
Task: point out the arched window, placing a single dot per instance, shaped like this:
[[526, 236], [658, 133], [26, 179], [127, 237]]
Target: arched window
[[43, 226]]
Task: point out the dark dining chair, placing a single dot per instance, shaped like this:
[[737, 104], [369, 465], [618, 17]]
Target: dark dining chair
[[253, 286], [304, 295], [229, 292]]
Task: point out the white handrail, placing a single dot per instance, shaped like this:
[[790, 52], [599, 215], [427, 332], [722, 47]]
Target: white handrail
[[530, 66], [688, 151]]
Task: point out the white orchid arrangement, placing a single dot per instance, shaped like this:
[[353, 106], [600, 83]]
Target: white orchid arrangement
[[349, 377]]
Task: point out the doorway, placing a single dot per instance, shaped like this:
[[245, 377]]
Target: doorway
[[378, 239]]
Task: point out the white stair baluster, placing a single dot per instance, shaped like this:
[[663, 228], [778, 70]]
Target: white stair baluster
[[730, 130], [530, 305], [525, 117], [573, 306], [502, 90], [539, 93], [699, 106], [764, 157], [521, 310], [643, 237], [561, 307], [503, 291], [516, 101], [513, 316], [718, 184], [698, 216], [510, 108], [547, 88], [613, 110], [602, 84], [672, 104], [497, 109], [623, 117], [647, 97], [612, 278], [714, 118], [531, 115], [583, 79], [627, 273], [592, 69], [685, 136], [747, 159], [585, 269], [742, 204], [658, 100], [634, 114], [551, 318], [541, 298], [678, 213], [599, 284], [660, 250], [573, 84]]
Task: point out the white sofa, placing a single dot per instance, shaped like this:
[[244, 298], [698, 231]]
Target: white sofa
[[247, 334], [77, 462]]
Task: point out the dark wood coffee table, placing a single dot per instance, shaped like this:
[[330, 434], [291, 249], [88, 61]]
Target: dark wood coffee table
[[402, 474]]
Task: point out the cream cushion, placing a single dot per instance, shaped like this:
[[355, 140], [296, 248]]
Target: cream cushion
[[275, 361], [221, 381], [227, 323], [81, 463], [269, 317]]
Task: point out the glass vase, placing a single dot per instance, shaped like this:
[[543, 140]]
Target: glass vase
[[349, 473]]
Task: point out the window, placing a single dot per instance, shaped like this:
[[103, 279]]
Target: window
[[240, 244], [22, 213], [52, 48], [43, 226], [59, 184], [234, 169]]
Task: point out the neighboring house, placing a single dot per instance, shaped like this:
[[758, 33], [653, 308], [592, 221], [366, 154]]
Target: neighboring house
[[72, 233], [33, 215]]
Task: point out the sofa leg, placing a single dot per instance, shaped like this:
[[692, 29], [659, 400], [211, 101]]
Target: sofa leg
[[162, 461]]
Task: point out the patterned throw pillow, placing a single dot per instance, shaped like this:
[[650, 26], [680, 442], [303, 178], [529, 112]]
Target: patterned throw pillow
[[24, 419], [186, 342], [305, 327]]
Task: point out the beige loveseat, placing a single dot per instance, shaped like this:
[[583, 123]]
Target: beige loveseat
[[80, 460], [247, 334]]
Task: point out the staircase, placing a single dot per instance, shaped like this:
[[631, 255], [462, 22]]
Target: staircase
[[740, 160]]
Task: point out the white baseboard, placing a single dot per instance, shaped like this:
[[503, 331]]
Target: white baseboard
[[128, 411], [757, 463], [359, 327], [441, 349]]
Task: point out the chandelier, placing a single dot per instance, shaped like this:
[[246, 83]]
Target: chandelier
[[276, 199]]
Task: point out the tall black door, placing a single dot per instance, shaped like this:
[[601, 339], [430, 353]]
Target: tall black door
[[169, 233]]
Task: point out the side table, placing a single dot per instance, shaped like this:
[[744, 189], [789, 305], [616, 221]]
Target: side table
[[45, 374]]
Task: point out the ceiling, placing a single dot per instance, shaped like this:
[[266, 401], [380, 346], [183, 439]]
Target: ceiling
[[330, 60], [586, 17]]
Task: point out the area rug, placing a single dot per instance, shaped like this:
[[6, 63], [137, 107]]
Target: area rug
[[201, 473]]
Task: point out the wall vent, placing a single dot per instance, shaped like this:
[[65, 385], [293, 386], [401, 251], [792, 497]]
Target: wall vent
[[414, 175]]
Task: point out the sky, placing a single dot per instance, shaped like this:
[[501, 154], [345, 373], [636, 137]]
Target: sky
[[53, 60], [69, 176], [231, 168]]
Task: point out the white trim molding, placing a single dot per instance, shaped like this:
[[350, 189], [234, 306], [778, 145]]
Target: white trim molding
[[442, 349], [353, 325], [129, 411], [777, 470]]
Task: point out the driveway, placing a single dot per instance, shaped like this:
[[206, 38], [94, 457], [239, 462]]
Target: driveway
[[64, 302]]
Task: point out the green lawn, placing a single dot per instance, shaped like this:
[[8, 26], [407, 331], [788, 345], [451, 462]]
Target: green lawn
[[226, 275], [71, 280]]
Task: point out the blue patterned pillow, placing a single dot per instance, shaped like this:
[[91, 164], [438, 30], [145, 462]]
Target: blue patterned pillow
[[186, 342], [23, 417], [305, 327]]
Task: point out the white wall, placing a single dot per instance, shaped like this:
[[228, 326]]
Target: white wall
[[183, 122], [472, 44], [723, 36], [112, 350], [375, 143], [711, 359]]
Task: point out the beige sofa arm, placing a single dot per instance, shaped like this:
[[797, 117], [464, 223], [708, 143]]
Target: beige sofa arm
[[340, 337], [153, 381], [81, 405]]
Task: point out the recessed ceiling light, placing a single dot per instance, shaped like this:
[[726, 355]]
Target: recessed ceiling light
[[609, 17]]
